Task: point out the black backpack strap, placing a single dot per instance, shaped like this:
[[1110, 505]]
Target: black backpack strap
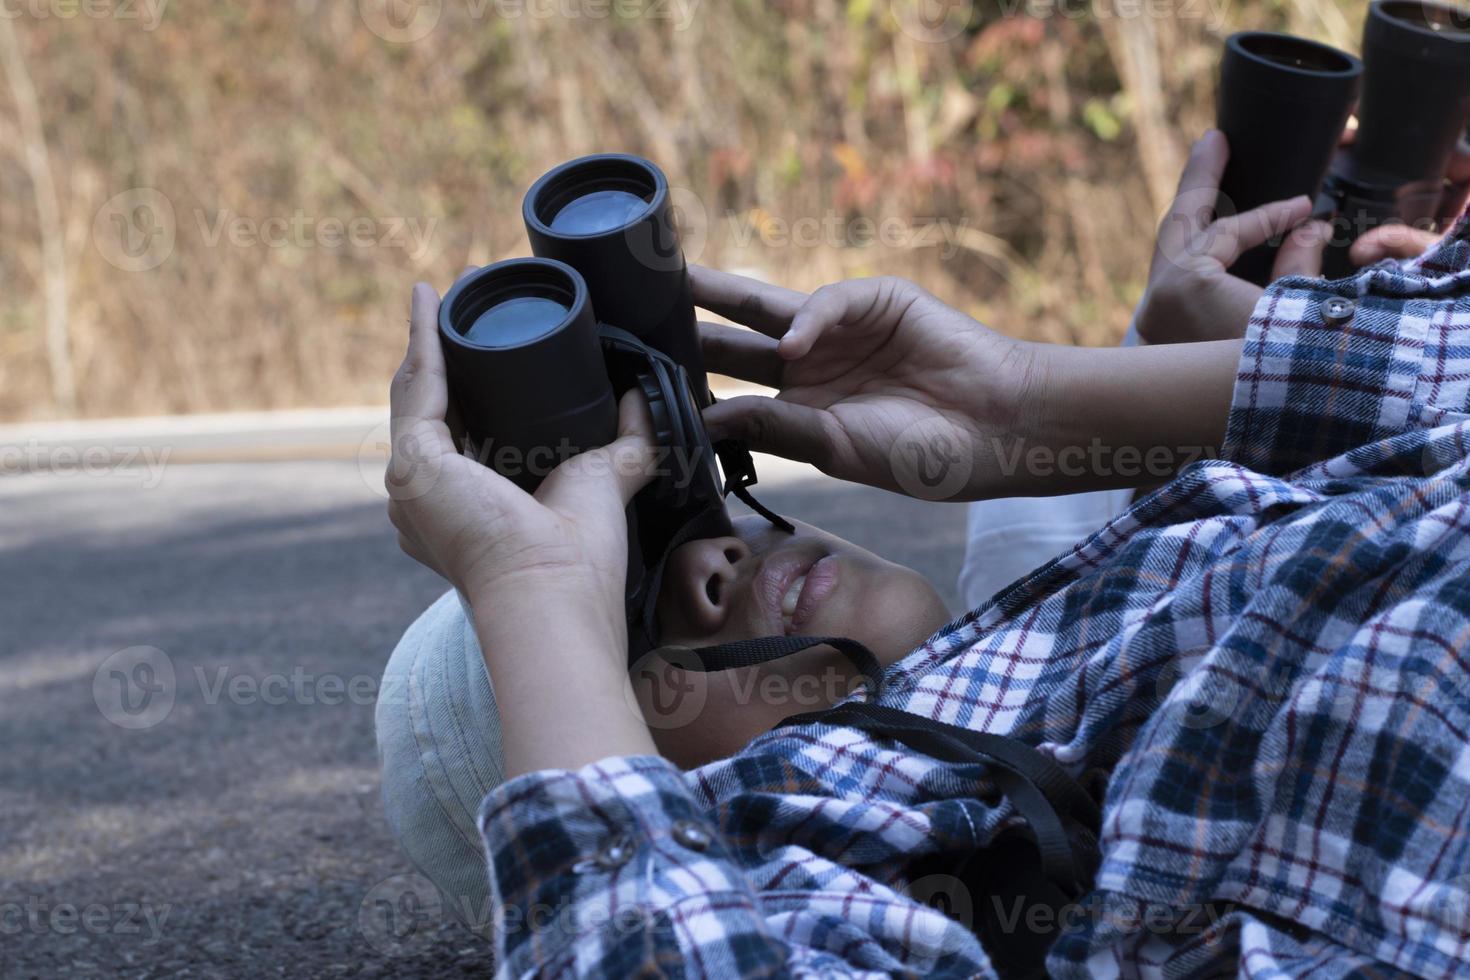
[[1040, 790], [1049, 864]]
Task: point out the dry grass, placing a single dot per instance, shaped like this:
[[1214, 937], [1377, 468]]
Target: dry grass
[[1044, 146]]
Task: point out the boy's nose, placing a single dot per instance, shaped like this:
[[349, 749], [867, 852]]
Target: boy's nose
[[712, 573]]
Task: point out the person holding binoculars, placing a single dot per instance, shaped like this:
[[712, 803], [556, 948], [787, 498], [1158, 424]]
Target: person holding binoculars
[[1223, 732]]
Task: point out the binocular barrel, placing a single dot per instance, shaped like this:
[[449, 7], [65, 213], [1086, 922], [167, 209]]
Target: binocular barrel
[[610, 216], [1283, 103], [1416, 93], [525, 367]]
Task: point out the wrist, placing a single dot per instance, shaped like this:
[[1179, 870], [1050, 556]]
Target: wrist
[[566, 607], [557, 661]]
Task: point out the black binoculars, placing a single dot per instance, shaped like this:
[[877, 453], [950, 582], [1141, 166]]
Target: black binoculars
[[539, 350], [1283, 104]]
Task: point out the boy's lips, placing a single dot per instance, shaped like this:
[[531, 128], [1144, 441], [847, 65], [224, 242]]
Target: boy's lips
[[816, 585], [789, 588]]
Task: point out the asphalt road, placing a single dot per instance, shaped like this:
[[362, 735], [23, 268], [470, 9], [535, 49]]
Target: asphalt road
[[189, 656]]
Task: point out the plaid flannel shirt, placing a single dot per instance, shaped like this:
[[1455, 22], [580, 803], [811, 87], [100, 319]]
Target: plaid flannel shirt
[[1266, 662]]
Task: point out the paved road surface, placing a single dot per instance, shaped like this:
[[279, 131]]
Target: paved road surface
[[234, 829]]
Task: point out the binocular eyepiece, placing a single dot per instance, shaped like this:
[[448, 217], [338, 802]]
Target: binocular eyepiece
[[1283, 103], [539, 350]]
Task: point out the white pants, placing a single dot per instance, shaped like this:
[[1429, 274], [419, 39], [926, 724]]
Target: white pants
[[1006, 539]]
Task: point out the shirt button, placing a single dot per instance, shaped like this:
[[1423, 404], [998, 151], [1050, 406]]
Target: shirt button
[[692, 836], [1337, 311], [615, 853]]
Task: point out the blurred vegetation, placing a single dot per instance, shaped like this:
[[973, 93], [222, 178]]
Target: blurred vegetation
[[811, 141]]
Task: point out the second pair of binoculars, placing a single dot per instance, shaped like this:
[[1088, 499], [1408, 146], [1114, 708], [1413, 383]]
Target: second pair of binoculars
[[539, 350], [1285, 101]]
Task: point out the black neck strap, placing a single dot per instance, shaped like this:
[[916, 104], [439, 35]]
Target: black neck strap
[[739, 470]]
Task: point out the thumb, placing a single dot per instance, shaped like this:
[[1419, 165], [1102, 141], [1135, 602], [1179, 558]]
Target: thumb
[[1301, 253], [627, 463], [783, 428], [633, 453]]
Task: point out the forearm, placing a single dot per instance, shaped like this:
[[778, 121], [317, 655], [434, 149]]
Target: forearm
[[560, 677], [1099, 418]]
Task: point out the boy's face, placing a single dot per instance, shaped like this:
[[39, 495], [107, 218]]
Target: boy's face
[[763, 582]]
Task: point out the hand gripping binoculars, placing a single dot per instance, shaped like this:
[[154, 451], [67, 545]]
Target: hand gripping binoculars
[[1283, 103], [539, 350]]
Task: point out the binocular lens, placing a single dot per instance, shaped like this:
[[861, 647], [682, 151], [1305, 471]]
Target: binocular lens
[[525, 367], [1290, 52], [1429, 17], [611, 217], [598, 211], [516, 321]]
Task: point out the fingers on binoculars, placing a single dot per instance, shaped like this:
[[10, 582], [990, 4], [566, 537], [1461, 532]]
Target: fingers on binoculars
[[1238, 234], [853, 303], [1301, 253], [419, 392], [741, 354], [758, 305], [784, 428], [1391, 242], [630, 457]]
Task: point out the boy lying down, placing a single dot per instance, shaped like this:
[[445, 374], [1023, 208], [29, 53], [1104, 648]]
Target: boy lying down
[[1223, 733]]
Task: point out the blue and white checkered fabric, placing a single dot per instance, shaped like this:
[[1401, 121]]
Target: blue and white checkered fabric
[[1266, 664]]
